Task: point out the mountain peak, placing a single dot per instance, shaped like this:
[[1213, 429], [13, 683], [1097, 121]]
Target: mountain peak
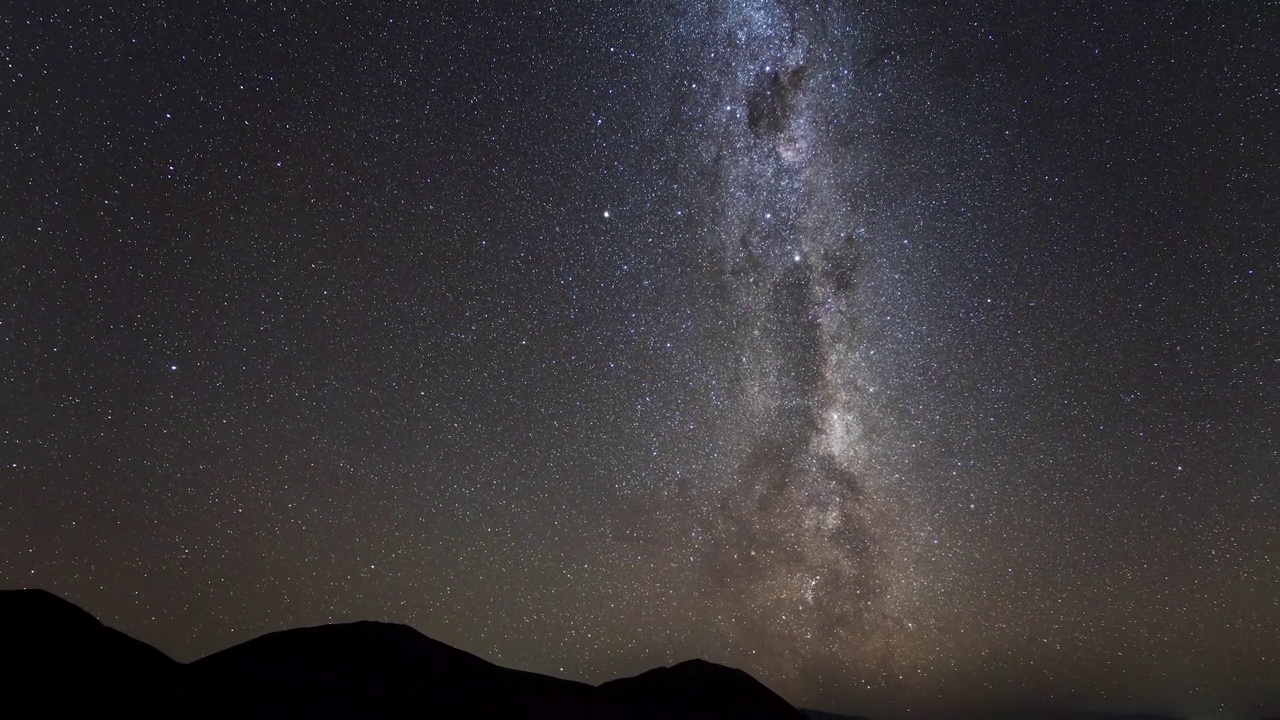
[[701, 689], [27, 600]]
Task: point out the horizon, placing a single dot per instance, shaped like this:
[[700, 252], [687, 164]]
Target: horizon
[[1003, 710], [1046, 707], [929, 344]]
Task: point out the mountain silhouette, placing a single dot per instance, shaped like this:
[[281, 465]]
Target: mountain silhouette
[[58, 661], [371, 669], [697, 689]]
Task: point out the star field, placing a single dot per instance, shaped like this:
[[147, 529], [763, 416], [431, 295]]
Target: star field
[[916, 358]]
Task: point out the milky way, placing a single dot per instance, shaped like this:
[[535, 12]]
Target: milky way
[[800, 522]]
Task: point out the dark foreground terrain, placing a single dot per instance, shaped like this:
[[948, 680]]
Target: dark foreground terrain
[[57, 660]]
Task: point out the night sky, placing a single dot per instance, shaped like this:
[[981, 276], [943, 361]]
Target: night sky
[[910, 356]]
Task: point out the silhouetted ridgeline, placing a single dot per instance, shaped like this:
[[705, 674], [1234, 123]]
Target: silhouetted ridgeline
[[56, 660]]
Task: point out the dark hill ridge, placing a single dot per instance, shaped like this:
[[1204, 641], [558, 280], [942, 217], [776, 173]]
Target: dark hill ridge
[[698, 689], [57, 661], [371, 669]]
